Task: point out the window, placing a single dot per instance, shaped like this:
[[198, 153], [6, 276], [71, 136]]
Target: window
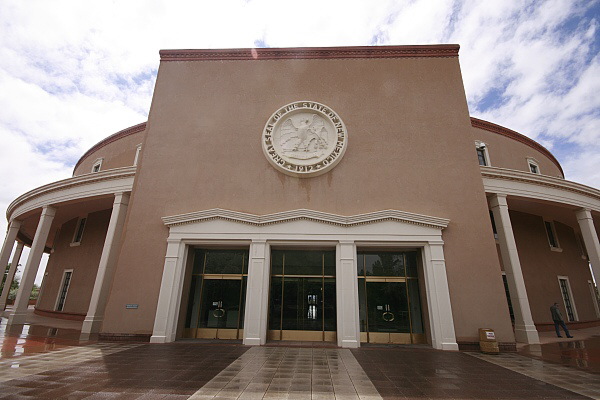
[[481, 157], [507, 292], [137, 154], [493, 225], [552, 238], [64, 288], [482, 153], [97, 165], [79, 228], [534, 166], [567, 295]]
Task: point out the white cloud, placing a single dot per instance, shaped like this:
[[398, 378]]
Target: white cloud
[[541, 59], [67, 65]]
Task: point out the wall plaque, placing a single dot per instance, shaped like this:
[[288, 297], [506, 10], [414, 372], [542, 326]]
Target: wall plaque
[[304, 139]]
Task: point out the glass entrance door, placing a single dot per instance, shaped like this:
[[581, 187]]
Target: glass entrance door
[[220, 310], [389, 299], [302, 304], [217, 295]]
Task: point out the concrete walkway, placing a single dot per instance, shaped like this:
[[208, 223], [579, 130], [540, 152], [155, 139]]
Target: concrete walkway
[[45, 359]]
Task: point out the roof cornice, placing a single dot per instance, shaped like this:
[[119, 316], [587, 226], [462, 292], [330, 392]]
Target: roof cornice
[[63, 185], [112, 138], [436, 50], [491, 127], [506, 174]]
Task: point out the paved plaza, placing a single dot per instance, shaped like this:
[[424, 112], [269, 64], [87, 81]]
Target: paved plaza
[[44, 359]]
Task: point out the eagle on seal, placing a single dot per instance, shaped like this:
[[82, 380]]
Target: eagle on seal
[[309, 137]]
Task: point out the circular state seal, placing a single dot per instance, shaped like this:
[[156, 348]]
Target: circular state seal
[[304, 139]]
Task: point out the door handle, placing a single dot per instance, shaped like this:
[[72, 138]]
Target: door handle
[[218, 313]]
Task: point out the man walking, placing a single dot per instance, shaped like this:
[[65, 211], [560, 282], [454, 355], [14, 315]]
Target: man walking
[[558, 320]]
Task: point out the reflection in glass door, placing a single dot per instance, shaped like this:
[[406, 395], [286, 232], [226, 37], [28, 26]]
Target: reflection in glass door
[[302, 304], [217, 295], [389, 299]]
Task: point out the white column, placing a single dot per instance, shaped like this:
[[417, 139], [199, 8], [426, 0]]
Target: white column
[[346, 287], [441, 321], [7, 247], [525, 331], [108, 260], [17, 315], [590, 238], [11, 275], [257, 294], [169, 297]]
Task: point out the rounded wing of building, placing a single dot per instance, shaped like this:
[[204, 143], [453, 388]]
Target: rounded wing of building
[[244, 208]]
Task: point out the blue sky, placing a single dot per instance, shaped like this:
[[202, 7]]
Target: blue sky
[[74, 72]]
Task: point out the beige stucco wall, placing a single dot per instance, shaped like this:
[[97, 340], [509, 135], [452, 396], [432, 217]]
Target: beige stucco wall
[[83, 259], [120, 153], [505, 152], [409, 149], [542, 266]]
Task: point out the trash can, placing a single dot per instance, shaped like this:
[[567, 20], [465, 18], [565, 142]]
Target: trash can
[[487, 341]]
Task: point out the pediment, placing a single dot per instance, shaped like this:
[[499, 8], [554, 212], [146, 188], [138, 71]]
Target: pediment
[[306, 215]]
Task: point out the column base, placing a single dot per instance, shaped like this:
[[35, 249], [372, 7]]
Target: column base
[[349, 344], [450, 346], [91, 325], [158, 339], [527, 334], [252, 342], [16, 318]]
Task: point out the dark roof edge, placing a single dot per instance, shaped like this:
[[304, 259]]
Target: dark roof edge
[[435, 50], [116, 136], [491, 127]]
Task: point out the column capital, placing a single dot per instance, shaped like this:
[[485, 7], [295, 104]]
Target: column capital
[[498, 200], [14, 224], [121, 198], [583, 213], [435, 243], [258, 249], [49, 211]]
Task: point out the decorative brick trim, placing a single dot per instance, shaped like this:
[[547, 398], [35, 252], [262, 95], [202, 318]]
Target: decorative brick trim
[[491, 127], [59, 314], [505, 347], [124, 337], [438, 50], [112, 138]]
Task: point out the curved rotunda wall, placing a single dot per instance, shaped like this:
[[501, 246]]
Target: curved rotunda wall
[[542, 266], [83, 259], [507, 152], [116, 151]]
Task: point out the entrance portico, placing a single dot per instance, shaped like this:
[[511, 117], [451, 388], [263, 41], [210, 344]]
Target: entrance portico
[[389, 229]]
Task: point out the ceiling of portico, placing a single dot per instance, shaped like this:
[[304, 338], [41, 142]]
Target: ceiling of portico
[[64, 212], [560, 212]]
